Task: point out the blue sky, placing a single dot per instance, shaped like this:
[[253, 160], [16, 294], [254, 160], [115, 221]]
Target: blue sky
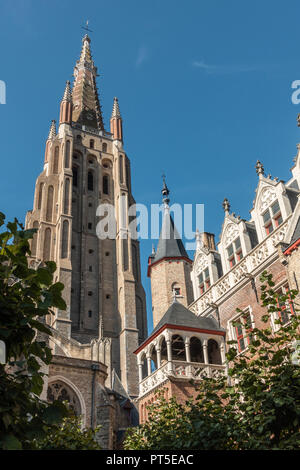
[[204, 89]]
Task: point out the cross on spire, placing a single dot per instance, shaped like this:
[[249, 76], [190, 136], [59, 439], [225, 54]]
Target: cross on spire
[[86, 27]]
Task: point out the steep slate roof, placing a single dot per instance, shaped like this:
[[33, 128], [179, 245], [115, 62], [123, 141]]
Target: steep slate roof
[[296, 234], [179, 315], [170, 244]]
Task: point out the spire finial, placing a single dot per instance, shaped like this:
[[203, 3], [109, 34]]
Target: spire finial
[[226, 206], [259, 168], [52, 132], [165, 191], [116, 110], [67, 93]]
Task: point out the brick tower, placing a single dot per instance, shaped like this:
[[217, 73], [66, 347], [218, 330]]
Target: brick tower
[[182, 346], [169, 268], [86, 166]]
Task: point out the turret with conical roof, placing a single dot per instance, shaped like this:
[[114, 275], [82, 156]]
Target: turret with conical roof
[[65, 116], [170, 267], [116, 126]]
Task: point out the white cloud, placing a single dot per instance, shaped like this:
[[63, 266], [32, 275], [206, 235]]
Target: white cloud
[[224, 69], [142, 56]]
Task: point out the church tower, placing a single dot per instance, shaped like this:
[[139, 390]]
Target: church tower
[[169, 268], [85, 167]]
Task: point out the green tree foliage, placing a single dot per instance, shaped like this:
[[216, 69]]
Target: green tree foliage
[[256, 407], [68, 435], [26, 297]]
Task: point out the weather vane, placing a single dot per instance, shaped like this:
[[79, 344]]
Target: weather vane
[[86, 27]]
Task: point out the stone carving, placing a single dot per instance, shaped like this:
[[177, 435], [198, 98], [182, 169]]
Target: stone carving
[[231, 233], [201, 263], [268, 195]]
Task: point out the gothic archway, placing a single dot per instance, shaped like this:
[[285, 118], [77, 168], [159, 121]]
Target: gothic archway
[[61, 391]]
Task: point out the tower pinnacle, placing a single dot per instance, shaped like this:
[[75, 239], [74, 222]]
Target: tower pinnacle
[[116, 125], [52, 132], [65, 116]]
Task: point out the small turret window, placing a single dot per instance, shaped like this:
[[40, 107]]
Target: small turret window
[[204, 281], [272, 218], [105, 184], [75, 176], [90, 181], [234, 252], [92, 143], [104, 147]]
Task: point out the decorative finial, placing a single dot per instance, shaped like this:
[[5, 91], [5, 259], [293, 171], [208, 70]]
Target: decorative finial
[[165, 191], [226, 206], [153, 249], [259, 168], [68, 93], [174, 296], [52, 132], [116, 110]]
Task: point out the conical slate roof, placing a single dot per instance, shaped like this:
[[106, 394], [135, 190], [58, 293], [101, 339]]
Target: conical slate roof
[[170, 244], [177, 314]]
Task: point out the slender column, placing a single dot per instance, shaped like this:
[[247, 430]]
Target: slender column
[[187, 349], [158, 355], [169, 352], [205, 353], [149, 365], [222, 350], [140, 372]]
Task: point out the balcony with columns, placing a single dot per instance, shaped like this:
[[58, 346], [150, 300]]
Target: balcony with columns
[[180, 355]]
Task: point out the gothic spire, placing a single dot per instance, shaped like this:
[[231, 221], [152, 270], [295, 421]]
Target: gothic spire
[[116, 110], [86, 104], [65, 116], [116, 125], [52, 132], [68, 93]]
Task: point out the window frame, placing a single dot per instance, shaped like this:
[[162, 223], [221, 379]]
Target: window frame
[[289, 303], [272, 222], [245, 335]]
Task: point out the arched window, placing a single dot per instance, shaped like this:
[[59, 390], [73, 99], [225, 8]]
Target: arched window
[[213, 350], [40, 197], [78, 139], [92, 143], [153, 359], [67, 196], [56, 160], [65, 239], [105, 184], [90, 181], [49, 211], [67, 155], [104, 147], [62, 392], [47, 244], [178, 348], [196, 350], [34, 240], [121, 168], [75, 176]]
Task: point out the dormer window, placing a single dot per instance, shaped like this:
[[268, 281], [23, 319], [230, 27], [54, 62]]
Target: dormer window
[[234, 252], [204, 281], [272, 218]]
